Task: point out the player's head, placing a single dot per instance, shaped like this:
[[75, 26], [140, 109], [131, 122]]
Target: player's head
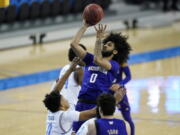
[[55, 102], [106, 104], [120, 47], [71, 54]]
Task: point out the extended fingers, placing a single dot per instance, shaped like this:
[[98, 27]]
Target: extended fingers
[[105, 26], [100, 27], [95, 28], [76, 60]]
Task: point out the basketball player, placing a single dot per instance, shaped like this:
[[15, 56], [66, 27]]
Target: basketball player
[[101, 69], [107, 124], [124, 106], [122, 81], [73, 84], [61, 117]]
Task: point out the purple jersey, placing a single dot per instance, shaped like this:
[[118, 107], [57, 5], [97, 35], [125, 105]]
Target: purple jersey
[[110, 127], [96, 79]]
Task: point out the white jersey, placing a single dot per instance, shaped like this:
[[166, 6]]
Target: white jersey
[[60, 123], [71, 89]]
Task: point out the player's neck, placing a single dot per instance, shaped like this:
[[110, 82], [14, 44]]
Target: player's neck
[[107, 117]]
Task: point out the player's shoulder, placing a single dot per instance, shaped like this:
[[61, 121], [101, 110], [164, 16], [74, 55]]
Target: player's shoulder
[[90, 121]]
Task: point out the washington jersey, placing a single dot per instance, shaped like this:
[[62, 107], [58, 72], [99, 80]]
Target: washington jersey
[[110, 127], [97, 80], [60, 123]]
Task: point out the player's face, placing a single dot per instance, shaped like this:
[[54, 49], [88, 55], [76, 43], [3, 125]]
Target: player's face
[[64, 103], [109, 46], [108, 49]]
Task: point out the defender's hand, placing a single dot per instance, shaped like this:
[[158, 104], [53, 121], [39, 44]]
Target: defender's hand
[[74, 63]]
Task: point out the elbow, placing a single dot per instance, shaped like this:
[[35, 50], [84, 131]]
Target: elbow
[[130, 77]]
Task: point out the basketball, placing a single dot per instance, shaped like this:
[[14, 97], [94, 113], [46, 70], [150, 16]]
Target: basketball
[[93, 14]]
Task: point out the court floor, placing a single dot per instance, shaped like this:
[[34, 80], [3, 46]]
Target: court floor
[[154, 91]]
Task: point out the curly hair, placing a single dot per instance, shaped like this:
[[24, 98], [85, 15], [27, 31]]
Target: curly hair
[[121, 45], [52, 101]]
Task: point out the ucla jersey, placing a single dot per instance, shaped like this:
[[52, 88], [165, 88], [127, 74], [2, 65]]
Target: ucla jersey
[[97, 80], [110, 127], [60, 122]]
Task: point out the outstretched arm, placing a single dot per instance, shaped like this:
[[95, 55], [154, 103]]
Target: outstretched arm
[[98, 59], [59, 85], [85, 115], [80, 52]]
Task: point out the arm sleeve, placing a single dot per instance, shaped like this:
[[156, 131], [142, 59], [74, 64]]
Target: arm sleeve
[[88, 59], [127, 73]]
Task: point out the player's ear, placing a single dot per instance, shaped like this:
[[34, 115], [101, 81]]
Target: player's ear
[[100, 110], [115, 52]]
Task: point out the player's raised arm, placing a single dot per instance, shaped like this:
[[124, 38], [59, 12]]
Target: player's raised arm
[[98, 58], [80, 52], [59, 85]]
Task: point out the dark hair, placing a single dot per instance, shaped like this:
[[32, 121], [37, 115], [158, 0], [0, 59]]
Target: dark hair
[[107, 103], [121, 45], [52, 101], [71, 53]]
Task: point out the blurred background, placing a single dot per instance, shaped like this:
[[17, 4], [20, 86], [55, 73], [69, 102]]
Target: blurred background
[[34, 40]]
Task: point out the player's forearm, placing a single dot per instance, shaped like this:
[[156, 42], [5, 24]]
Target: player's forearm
[[85, 115], [79, 51], [97, 49], [78, 36], [62, 80]]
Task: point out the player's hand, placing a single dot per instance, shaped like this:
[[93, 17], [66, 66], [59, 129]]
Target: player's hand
[[115, 87], [85, 24], [74, 63], [100, 30], [119, 94], [73, 133]]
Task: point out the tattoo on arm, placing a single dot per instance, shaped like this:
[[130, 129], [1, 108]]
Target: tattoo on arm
[[98, 48]]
